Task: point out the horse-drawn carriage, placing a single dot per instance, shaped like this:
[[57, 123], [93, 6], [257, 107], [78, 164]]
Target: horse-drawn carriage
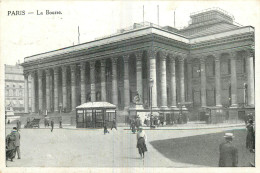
[[32, 123]]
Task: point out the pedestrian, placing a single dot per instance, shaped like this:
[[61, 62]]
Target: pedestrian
[[250, 138], [52, 125], [17, 142], [18, 125], [138, 122], [141, 142], [60, 123], [114, 124], [162, 120], [10, 146], [45, 122], [105, 128], [133, 127], [228, 152]]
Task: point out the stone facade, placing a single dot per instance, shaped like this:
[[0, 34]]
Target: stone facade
[[15, 89], [209, 63]]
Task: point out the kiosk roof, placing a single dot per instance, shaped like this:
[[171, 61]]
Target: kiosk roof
[[96, 105]]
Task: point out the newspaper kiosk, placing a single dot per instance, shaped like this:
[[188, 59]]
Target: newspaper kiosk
[[95, 114]]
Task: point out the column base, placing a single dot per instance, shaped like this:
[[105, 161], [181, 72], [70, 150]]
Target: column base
[[234, 106], [183, 108], [155, 108], [219, 106], [164, 107]]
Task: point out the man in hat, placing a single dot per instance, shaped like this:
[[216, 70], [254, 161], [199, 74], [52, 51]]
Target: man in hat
[[228, 153]]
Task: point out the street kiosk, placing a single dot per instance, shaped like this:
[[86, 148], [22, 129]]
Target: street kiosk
[[95, 114]]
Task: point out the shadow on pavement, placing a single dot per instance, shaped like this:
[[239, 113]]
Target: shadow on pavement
[[203, 149]]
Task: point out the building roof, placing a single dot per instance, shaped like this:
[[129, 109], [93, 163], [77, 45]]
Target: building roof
[[96, 105]]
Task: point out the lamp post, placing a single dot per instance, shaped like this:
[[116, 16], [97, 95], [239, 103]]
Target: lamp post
[[151, 100]]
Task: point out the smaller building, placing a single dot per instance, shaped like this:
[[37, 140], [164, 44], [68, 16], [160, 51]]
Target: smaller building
[[95, 114], [14, 88]]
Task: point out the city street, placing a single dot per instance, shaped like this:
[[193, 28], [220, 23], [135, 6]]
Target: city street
[[70, 147]]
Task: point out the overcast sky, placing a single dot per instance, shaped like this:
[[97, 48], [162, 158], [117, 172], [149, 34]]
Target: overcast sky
[[27, 35]]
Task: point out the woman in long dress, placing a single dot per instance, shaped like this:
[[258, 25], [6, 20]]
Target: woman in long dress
[[250, 138], [10, 146], [141, 140]]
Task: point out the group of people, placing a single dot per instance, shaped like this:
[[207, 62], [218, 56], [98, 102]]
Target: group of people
[[13, 144], [114, 125], [47, 123], [135, 124]]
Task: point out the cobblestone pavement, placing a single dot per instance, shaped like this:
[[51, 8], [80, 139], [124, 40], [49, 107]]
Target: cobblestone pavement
[[69, 147]]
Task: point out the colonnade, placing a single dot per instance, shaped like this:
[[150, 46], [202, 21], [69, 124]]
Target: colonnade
[[52, 76]]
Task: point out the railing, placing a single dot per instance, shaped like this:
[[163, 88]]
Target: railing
[[131, 28], [211, 9]]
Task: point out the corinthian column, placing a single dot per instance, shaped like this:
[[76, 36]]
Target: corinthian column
[[73, 86], [139, 79], [48, 96], [33, 91], [92, 81], [163, 80], [250, 78], [173, 82], [103, 80], [26, 93], [56, 95], [189, 80], [152, 58], [233, 80], [203, 82], [126, 82], [182, 87], [114, 82], [217, 81], [64, 87], [40, 92], [83, 82]]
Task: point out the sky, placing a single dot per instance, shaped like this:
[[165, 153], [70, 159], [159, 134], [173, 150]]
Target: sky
[[29, 34]]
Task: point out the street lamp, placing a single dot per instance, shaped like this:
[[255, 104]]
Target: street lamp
[[151, 100]]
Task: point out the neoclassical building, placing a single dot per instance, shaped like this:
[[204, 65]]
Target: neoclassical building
[[208, 63]]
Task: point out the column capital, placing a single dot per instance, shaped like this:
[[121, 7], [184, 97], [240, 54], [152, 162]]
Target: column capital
[[114, 60], [172, 59], [32, 73], [40, 72], [163, 55], [64, 68], [48, 72], [139, 55], [232, 54], [216, 54], [73, 67], [151, 52], [250, 52], [92, 64], [82, 64], [26, 74], [180, 59], [56, 70], [126, 58], [103, 63]]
